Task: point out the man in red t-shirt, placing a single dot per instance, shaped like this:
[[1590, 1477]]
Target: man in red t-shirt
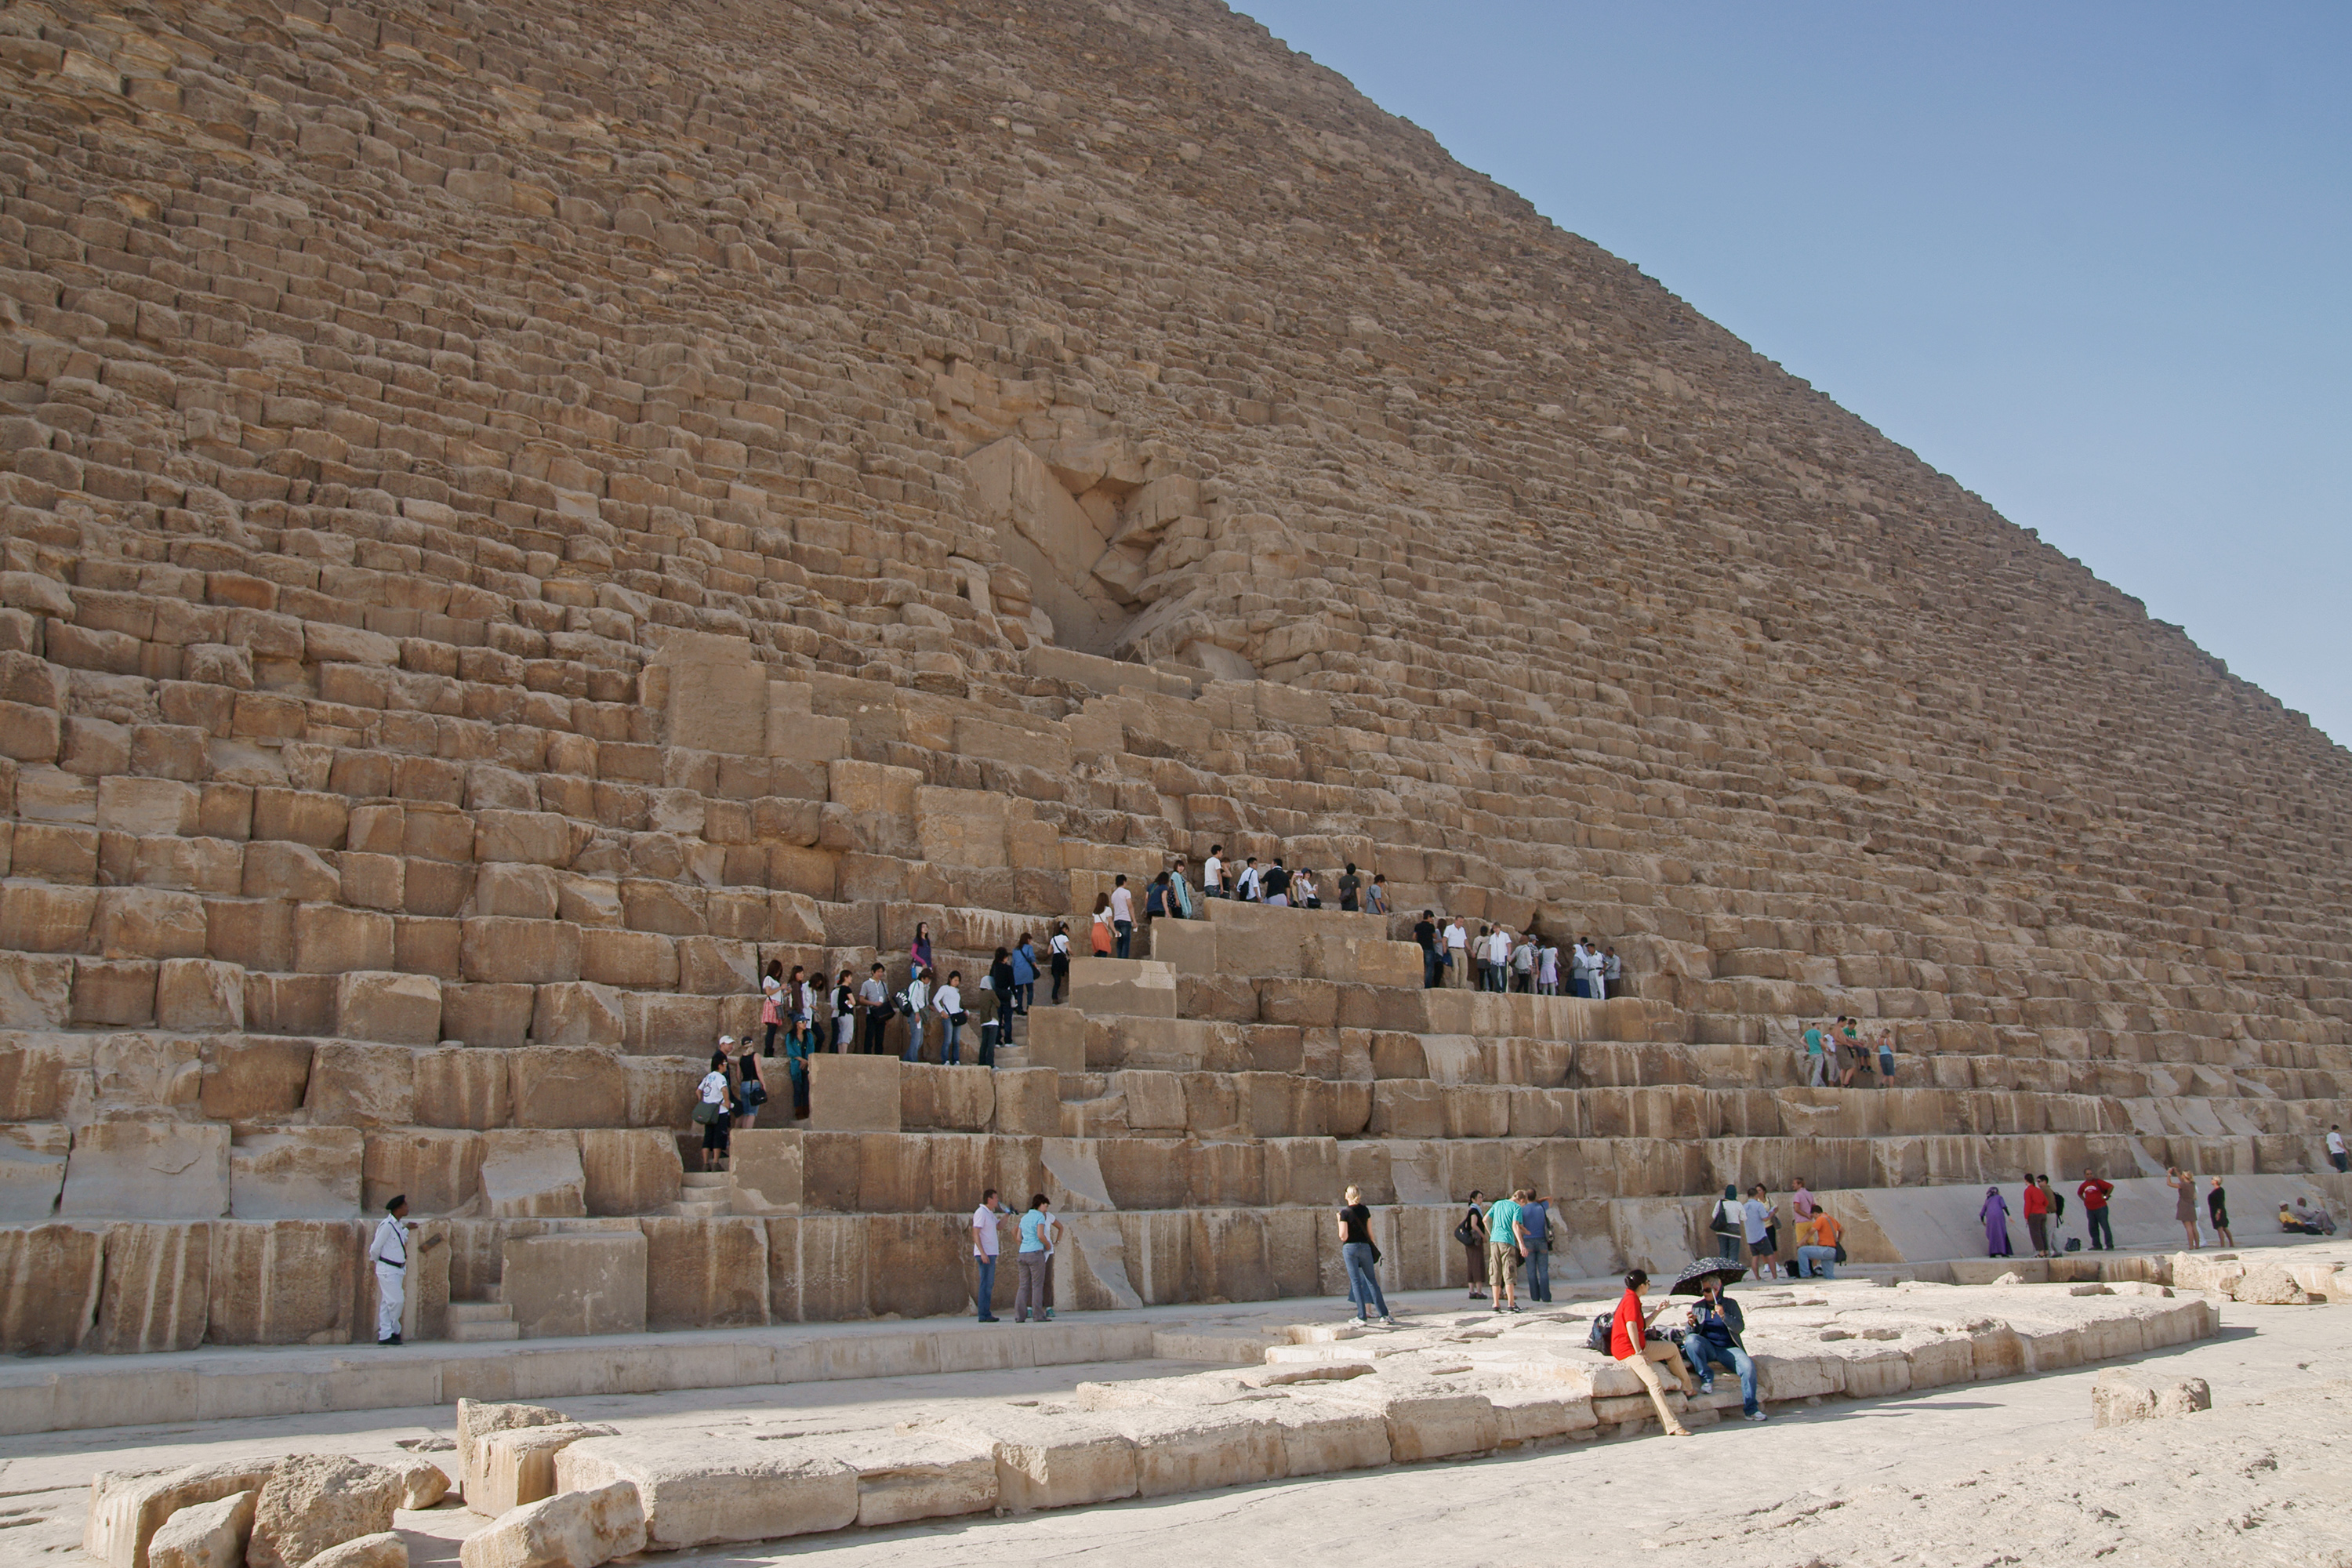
[[2094, 1194], [2037, 1214]]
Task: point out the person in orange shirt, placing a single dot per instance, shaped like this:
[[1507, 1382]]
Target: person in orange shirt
[[1817, 1246]]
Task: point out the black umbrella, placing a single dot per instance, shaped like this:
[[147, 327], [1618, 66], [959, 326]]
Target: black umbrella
[[1686, 1283]]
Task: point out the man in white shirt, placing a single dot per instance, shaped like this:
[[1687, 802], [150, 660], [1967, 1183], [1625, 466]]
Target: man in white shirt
[[1498, 958], [1613, 973], [875, 994], [919, 1002], [1247, 892], [1122, 913], [1457, 949], [1213, 874], [985, 1244], [2335, 1147], [388, 1250]]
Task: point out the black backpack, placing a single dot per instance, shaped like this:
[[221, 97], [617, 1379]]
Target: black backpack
[[1604, 1331]]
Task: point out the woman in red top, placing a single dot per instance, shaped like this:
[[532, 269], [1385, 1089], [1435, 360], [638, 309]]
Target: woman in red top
[[2037, 1215], [1629, 1342]]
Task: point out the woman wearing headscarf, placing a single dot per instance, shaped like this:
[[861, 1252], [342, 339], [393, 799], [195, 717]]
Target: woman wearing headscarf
[[1995, 1215]]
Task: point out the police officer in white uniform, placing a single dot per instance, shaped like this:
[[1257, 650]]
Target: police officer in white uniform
[[389, 1251]]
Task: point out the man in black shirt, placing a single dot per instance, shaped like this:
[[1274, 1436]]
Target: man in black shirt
[[1275, 884], [1362, 1258], [1424, 931], [1351, 889]]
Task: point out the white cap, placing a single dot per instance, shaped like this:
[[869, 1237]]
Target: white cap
[[726, 1039]]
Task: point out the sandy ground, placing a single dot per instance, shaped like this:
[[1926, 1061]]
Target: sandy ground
[[1978, 1474]]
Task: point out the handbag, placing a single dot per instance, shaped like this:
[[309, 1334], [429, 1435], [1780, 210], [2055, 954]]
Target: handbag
[[755, 1094], [958, 1019], [1722, 1227], [707, 1111], [1464, 1233]]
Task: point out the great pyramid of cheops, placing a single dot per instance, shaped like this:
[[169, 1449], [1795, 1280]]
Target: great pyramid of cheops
[[518, 516]]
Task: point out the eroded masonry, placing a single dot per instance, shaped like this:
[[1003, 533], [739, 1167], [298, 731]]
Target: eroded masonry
[[516, 517]]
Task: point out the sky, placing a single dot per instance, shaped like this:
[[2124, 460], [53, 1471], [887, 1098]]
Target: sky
[[2094, 260]]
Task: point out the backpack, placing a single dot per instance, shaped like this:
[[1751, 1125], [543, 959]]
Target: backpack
[[1604, 1330]]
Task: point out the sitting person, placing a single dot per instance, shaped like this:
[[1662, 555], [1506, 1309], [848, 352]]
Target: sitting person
[[2305, 1220], [1714, 1339], [1817, 1245]]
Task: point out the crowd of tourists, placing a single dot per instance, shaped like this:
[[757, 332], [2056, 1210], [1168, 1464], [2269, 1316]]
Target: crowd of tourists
[[1836, 1055], [1496, 957]]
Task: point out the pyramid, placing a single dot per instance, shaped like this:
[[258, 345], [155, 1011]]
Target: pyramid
[[516, 517]]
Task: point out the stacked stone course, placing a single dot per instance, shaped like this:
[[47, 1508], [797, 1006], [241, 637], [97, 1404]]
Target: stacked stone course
[[513, 518]]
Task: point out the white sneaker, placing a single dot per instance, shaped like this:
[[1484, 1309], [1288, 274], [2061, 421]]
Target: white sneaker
[[1758, 1415]]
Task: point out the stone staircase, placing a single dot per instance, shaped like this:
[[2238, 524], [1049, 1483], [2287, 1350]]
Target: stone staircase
[[472, 1322], [705, 1195]]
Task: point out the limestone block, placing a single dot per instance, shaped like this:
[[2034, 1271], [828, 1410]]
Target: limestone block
[[362, 1085], [586, 1282], [533, 838], [2122, 1394], [477, 1420], [631, 1170], [1320, 1438], [464, 1086], [253, 1077], [422, 1485], [198, 995], [661, 1089], [330, 939], [31, 1170], [1424, 1424], [768, 1170], [207, 1535], [516, 1466], [148, 923], [1057, 1040], [39, 917], [1028, 1101], [296, 1173], [128, 1508], [853, 1093], [949, 1100], [1189, 947], [1179, 1451], [400, 1009], [146, 1170], [532, 1175], [439, 1172], [283, 1282], [904, 1476], [578, 1012], [570, 1530], [314, 1502], [487, 1014], [705, 1273], [698, 1488], [116, 991], [717, 697], [385, 1549], [50, 1277], [2267, 1285], [1046, 1460], [35, 992], [1781, 1376], [153, 1290], [555, 1085], [1141, 987], [501, 949]]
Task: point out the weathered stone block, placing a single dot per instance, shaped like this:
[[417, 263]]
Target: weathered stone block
[[145, 1170], [296, 1173], [853, 1093], [698, 1490], [578, 1012], [1141, 987], [532, 1175], [312, 1503], [556, 1085], [705, 1273], [570, 1530], [635, 1172], [589, 1282], [402, 1009]]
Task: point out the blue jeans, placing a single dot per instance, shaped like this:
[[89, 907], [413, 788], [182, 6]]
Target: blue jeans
[[2102, 1233], [1702, 1352], [1125, 930], [952, 1052], [1429, 970], [1538, 1270], [1817, 1262], [914, 1051], [987, 1292], [1363, 1284], [1727, 1246]]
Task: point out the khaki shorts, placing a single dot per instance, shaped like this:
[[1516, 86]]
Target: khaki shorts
[[1502, 1262]]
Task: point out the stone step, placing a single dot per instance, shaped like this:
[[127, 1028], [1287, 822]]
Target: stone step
[[709, 1179], [704, 1210], [479, 1322], [483, 1332]]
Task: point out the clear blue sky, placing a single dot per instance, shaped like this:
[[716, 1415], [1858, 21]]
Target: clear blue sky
[[2094, 260]]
